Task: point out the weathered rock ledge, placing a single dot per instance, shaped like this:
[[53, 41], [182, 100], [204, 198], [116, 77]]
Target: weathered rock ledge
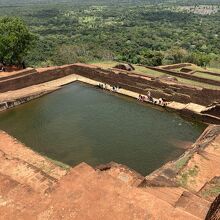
[[32, 187]]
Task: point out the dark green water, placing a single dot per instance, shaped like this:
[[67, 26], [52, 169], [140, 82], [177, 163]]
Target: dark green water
[[81, 123]]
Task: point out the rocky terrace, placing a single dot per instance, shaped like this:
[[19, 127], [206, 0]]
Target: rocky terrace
[[32, 187]]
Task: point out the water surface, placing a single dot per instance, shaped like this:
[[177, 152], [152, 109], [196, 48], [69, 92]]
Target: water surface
[[82, 123]]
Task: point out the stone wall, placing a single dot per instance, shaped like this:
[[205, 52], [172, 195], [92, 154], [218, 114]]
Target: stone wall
[[33, 77], [213, 111], [139, 83], [209, 72], [17, 74], [134, 82], [175, 66], [186, 76]]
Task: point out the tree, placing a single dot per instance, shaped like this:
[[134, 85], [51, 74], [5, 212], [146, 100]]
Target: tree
[[67, 54], [15, 40], [200, 59], [176, 55]]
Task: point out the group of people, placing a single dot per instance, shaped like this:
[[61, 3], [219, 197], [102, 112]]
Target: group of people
[[102, 86], [149, 98], [115, 88], [142, 98], [112, 88]]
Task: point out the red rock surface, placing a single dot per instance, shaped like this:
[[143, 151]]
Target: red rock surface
[[31, 187]]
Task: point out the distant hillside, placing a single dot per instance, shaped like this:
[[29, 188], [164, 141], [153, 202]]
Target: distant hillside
[[198, 2], [89, 2], [19, 2], [148, 32]]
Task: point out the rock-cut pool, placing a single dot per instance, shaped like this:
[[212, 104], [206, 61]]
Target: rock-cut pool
[[82, 123]]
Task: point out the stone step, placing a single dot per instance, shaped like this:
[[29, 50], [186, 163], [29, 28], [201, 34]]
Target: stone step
[[7, 184], [25, 173], [88, 194], [14, 190], [122, 173], [85, 194], [193, 204], [168, 194], [210, 190], [13, 148], [16, 198]]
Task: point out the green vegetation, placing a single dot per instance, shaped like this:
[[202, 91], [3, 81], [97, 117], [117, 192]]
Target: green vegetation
[[138, 69], [188, 175], [58, 163], [154, 73], [182, 162], [213, 190], [216, 70], [199, 84], [15, 40], [141, 69], [149, 32], [207, 76]]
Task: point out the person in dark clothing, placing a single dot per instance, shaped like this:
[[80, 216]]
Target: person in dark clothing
[[23, 65]]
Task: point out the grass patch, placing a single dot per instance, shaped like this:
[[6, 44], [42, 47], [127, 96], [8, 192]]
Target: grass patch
[[188, 175], [150, 72], [212, 190], [138, 69], [216, 70], [58, 163], [154, 73], [207, 76], [195, 67], [182, 162], [104, 64], [198, 84]]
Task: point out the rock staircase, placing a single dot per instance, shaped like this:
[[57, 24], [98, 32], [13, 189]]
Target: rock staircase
[[180, 199], [88, 194], [168, 194], [25, 173], [193, 204], [31, 187]]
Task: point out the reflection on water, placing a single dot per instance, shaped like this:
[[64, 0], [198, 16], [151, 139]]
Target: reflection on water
[[181, 143], [81, 123]]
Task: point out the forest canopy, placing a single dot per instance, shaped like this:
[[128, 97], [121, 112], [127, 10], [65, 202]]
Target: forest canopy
[[147, 32], [15, 40]]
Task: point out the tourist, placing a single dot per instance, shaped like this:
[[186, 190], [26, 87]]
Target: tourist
[[155, 101], [161, 102], [100, 86], [151, 99], [23, 65], [2, 68], [114, 88]]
